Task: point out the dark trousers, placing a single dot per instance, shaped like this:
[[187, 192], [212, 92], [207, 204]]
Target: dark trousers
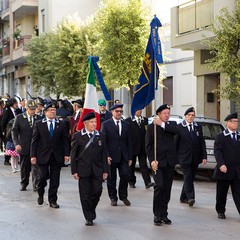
[[162, 191], [6, 157], [222, 191], [123, 170], [142, 159], [50, 171], [90, 191], [26, 168], [189, 173]]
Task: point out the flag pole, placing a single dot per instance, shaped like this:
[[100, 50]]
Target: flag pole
[[154, 107]]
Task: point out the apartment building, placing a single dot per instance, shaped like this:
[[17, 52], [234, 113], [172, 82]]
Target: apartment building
[[190, 20], [20, 20]]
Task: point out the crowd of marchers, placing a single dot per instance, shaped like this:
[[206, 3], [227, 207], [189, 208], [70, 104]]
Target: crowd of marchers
[[40, 136]]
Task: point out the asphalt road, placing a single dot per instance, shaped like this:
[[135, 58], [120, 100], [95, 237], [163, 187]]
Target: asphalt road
[[22, 219]]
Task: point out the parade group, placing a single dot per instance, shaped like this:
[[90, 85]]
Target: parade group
[[40, 136]]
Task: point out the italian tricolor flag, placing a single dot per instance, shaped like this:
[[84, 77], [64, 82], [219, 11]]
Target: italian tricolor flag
[[91, 100]]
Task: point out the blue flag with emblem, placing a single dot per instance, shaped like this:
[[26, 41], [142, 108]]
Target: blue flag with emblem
[[145, 88]]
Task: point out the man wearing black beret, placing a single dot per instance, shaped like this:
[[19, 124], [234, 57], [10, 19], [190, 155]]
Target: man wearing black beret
[[191, 149], [227, 171], [119, 154], [164, 163], [49, 149], [89, 165]]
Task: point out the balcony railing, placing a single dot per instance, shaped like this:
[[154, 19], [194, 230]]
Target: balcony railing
[[195, 15]]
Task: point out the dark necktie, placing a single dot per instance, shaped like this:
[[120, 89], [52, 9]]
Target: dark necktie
[[118, 127], [190, 130], [90, 135], [234, 137], [51, 129], [139, 122], [30, 122]]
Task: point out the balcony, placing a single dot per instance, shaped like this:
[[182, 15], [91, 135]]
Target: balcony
[[24, 7], [5, 10], [190, 21]]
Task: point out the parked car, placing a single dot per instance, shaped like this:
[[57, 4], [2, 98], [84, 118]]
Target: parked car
[[210, 127]]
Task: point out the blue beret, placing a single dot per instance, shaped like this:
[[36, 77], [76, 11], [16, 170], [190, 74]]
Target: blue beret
[[231, 116], [191, 109], [49, 105], [89, 116], [162, 107], [116, 106]]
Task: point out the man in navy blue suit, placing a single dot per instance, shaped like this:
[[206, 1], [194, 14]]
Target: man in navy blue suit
[[119, 154]]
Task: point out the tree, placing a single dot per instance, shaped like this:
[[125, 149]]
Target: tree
[[225, 50], [122, 29], [58, 59]]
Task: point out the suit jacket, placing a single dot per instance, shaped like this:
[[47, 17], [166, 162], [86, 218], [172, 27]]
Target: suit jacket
[[105, 116], [93, 160], [190, 149], [117, 146], [43, 145], [7, 116], [227, 153], [138, 135], [22, 132], [166, 149], [73, 123]]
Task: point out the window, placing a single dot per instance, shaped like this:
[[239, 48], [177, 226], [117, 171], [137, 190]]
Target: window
[[168, 91]]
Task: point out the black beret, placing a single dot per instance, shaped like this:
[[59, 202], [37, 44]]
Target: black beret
[[162, 107], [231, 116], [49, 105], [89, 116], [116, 106], [78, 101], [191, 109]]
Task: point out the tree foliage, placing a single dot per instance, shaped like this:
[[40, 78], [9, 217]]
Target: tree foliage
[[122, 28], [225, 49]]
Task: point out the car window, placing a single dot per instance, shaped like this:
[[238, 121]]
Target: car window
[[210, 130]]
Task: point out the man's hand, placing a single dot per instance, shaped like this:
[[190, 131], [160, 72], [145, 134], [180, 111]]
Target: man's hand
[[33, 160], [109, 159], [129, 163], [75, 176], [154, 165], [105, 176], [66, 159], [204, 161], [157, 121], [18, 148], [223, 168]]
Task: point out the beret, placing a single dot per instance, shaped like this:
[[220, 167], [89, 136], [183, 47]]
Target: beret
[[231, 116], [191, 109], [31, 104], [116, 106], [162, 107], [88, 116], [101, 102], [49, 105], [78, 101]]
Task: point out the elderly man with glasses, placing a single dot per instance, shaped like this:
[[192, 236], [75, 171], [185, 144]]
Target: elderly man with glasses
[[227, 171]]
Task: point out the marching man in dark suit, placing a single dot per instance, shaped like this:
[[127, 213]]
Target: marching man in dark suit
[[22, 137], [138, 132], [89, 165], [191, 149], [227, 171], [164, 163], [49, 149], [119, 155]]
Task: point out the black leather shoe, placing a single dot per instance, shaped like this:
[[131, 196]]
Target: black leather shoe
[[113, 202], [132, 185], [191, 202], [149, 185], [157, 221], [89, 223], [126, 202], [221, 216], [7, 163], [184, 201], [54, 205], [40, 200], [23, 188], [166, 221]]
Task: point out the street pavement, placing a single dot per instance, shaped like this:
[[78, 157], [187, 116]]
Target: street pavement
[[22, 219]]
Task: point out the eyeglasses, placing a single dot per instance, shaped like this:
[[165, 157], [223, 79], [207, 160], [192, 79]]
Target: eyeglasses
[[118, 111], [233, 121], [102, 105]]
